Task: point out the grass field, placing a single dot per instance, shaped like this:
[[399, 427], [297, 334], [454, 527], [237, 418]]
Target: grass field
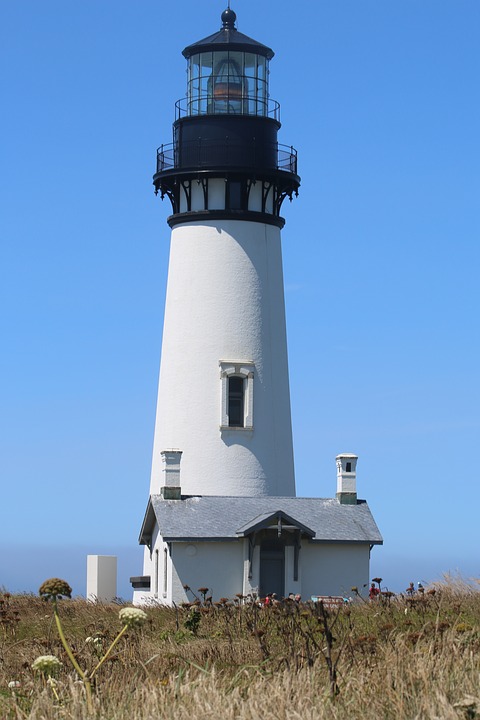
[[395, 658]]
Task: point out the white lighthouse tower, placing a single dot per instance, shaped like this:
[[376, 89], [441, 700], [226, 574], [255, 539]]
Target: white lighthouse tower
[[223, 396], [222, 511]]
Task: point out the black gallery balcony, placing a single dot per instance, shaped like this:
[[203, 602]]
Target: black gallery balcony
[[224, 154]]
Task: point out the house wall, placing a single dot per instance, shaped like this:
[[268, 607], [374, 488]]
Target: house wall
[[333, 568], [324, 569], [157, 565], [216, 565], [140, 597]]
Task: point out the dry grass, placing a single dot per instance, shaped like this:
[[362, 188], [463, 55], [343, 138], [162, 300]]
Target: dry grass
[[394, 659]]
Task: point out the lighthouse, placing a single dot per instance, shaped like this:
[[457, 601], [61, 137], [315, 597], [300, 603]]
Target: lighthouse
[[223, 395], [222, 511]]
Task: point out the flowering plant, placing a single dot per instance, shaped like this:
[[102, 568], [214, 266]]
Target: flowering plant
[[132, 617], [54, 589], [46, 664]]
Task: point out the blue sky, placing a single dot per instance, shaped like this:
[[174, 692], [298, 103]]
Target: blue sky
[[381, 262]]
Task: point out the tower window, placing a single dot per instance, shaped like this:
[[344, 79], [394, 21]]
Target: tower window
[[235, 402], [348, 467], [237, 395]]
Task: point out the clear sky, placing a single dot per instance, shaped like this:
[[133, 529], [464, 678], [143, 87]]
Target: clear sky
[[381, 260]]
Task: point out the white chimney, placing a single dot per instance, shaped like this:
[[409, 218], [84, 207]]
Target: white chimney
[[347, 478], [170, 489]]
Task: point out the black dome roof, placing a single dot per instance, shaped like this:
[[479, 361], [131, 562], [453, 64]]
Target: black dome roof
[[228, 38]]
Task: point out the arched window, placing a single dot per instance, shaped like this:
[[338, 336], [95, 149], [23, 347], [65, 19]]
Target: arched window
[[237, 395], [236, 417]]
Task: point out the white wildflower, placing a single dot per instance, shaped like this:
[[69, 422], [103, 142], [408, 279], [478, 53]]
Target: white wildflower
[[132, 617], [96, 641], [46, 664], [14, 684]]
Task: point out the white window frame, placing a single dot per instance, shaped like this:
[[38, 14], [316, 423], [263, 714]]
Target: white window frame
[[244, 369], [165, 571], [155, 574]]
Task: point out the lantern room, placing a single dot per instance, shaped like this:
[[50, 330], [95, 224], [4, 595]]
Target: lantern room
[[228, 74]]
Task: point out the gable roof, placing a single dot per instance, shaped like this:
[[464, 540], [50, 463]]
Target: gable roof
[[230, 518], [269, 519]]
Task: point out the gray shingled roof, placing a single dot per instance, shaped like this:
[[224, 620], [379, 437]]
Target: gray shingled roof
[[217, 518]]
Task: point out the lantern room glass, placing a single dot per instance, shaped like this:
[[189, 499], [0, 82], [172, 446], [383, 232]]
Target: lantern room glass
[[227, 82]]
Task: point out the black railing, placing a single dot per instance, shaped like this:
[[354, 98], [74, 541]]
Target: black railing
[[209, 154], [227, 104]]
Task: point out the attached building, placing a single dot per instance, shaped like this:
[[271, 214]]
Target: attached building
[[255, 545]]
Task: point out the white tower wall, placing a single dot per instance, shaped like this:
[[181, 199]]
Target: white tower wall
[[225, 304]]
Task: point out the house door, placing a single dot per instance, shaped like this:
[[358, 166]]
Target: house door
[[272, 567]]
